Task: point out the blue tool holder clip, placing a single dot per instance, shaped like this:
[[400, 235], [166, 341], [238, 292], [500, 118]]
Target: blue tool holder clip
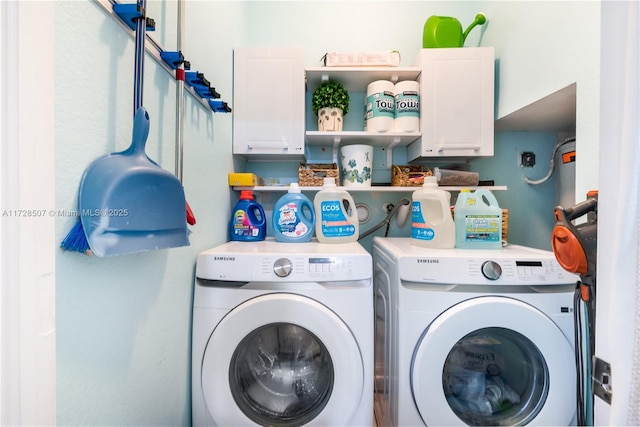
[[219, 106], [129, 13], [174, 59]]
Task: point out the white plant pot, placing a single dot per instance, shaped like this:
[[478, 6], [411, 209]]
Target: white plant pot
[[330, 119]]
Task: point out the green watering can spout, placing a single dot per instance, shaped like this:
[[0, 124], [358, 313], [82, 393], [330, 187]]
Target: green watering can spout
[[480, 20]]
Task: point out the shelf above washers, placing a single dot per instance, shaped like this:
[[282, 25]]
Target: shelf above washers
[[356, 79]]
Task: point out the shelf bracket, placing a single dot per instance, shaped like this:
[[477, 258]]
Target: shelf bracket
[[394, 78], [389, 151], [334, 149], [324, 78]]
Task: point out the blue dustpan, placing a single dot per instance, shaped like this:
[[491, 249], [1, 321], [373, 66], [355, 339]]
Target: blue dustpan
[[130, 204]]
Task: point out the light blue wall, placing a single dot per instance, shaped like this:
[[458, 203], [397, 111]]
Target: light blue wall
[[123, 324]]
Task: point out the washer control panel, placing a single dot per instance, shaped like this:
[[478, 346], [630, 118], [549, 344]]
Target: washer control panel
[[284, 267]]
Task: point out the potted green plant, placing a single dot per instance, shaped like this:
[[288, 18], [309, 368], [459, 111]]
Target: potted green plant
[[330, 101]]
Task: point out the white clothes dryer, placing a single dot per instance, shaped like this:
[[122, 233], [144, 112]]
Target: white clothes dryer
[[283, 335], [472, 337]]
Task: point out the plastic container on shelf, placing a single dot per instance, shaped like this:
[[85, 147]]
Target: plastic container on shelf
[[248, 223], [335, 222], [432, 224], [456, 178], [478, 219], [293, 218]]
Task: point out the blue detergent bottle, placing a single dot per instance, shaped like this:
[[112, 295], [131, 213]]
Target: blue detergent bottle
[[293, 218], [248, 222]]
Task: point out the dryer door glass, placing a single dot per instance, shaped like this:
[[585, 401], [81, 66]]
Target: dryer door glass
[[281, 374], [495, 376], [494, 361]]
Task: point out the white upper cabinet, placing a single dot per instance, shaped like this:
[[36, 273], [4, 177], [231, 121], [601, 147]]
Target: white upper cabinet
[[456, 103], [268, 103]]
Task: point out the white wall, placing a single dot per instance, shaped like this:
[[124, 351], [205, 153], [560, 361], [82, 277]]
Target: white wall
[[27, 285], [543, 47]]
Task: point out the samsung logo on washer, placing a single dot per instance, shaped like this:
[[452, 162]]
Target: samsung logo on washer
[[428, 261], [224, 258]]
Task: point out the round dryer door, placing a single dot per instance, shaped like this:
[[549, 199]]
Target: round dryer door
[[494, 361], [282, 359]]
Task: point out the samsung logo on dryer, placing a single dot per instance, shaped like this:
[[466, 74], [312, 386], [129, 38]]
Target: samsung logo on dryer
[[224, 258], [427, 261]]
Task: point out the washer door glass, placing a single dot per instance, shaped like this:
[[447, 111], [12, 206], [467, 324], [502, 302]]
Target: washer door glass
[[494, 361], [281, 374], [495, 376], [282, 359]]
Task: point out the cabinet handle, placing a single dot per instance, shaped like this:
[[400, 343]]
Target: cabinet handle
[[474, 147], [283, 146]]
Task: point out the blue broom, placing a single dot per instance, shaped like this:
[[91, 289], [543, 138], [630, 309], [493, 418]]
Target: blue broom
[[76, 240]]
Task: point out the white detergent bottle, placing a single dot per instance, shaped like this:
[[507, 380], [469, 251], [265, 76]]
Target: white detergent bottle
[[478, 219], [293, 216], [335, 222], [432, 224]]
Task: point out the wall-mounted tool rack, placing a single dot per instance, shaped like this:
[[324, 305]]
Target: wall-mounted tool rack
[[196, 83]]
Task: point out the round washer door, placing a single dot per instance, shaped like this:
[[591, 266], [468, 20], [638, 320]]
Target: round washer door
[[494, 361], [282, 359]]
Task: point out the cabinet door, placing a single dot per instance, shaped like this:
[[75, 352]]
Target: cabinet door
[[268, 102], [456, 103]]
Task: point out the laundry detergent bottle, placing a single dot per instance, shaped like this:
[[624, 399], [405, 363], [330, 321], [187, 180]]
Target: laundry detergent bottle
[[248, 222], [335, 222], [432, 224], [293, 218], [478, 219]]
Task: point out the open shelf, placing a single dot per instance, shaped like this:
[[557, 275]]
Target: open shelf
[[356, 79], [372, 189], [377, 139]]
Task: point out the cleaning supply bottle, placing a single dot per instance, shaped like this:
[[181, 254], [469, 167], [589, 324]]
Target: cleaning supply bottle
[[248, 222], [293, 218], [478, 220], [336, 223], [432, 224]]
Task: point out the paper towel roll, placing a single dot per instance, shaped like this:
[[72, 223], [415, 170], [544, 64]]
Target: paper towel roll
[[407, 102], [380, 106]]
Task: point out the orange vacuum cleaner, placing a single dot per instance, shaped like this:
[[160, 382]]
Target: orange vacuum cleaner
[[575, 248]]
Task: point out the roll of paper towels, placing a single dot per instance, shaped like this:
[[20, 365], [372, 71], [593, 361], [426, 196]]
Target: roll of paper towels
[[380, 107], [407, 102]]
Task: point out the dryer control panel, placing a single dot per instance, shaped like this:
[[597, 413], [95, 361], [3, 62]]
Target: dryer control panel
[[512, 265]]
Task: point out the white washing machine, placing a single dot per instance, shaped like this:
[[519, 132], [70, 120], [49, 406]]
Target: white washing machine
[[472, 337], [283, 335]]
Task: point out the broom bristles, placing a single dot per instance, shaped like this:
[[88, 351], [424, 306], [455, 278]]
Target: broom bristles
[[76, 240]]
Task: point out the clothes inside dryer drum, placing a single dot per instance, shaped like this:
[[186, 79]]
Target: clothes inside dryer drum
[[495, 376], [281, 374]]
